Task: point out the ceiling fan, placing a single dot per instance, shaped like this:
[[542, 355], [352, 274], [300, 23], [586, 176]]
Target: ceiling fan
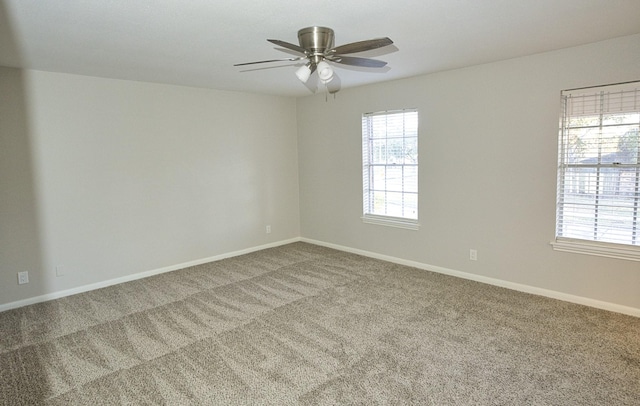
[[317, 48]]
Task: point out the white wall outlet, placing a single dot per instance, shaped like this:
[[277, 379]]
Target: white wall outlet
[[59, 270], [268, 229], [23, 277], [473, 255]]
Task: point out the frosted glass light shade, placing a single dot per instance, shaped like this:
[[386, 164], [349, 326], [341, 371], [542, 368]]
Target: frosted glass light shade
[[303, 73], [325, 72]]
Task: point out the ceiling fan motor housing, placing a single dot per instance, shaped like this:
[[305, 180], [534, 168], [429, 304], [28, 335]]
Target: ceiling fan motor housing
[[317, 40]]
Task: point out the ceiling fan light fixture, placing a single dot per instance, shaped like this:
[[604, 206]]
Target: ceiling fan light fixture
[[304, 72], [325, 72], [317, 50]]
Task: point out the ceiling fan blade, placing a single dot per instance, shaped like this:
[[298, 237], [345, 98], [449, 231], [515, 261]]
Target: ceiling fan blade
[[360, 46], [352, 60], [288, 45], [270, 60]]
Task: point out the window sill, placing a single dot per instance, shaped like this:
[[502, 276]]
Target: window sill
[[398, 222], [618, 251]]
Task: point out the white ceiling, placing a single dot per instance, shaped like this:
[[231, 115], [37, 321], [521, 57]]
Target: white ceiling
[[196, 42]]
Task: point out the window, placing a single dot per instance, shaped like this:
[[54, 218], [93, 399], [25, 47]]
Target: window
[[598, 201], [390, 168]]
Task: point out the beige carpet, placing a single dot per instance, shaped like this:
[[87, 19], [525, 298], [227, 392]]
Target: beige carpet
[[302, 324]]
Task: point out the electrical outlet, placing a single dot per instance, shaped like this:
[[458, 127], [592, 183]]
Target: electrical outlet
[[268, 229], [23, 277], [59, 270], [473, 255]]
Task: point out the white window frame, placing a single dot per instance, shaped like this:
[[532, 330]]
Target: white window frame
[[598, 103], [408, 188]]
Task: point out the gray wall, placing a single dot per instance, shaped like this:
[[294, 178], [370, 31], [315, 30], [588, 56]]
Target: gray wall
[[110, 178], [488, 154]]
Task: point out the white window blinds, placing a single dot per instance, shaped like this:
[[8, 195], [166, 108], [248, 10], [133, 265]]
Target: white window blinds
[[390, 167], [598, 195]]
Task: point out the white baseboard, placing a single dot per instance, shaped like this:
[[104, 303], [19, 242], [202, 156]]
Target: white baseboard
[[139, 275], [631, 311]]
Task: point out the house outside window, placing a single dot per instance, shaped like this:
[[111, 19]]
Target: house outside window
[[598, 199], [390, 168]]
